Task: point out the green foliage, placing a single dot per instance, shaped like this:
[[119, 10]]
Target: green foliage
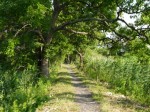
[[59, 48], [16, 52], [139, 49], [8, 47], [36, 14], [31, 30], [22, 91], [125, 74]]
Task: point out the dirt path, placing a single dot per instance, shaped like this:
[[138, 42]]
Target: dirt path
[[82, 96]]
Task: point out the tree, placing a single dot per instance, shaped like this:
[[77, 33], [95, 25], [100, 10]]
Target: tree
[[43, 20]]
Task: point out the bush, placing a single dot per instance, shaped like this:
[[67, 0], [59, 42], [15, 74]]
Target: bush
[[21, 91]]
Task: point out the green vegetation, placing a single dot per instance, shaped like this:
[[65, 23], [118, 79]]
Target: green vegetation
[[109, 99], [125, 74], [37, 36], [20, 92], [61, 93]]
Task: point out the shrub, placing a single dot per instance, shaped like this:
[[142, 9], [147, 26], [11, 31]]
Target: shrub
[[21, 92]]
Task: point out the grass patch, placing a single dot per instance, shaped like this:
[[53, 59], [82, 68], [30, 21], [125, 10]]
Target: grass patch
[[61, 93]]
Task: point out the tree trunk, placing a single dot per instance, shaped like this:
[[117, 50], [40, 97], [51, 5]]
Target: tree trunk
[[43, 63], [45, 67], [81, 60], [68, 59]]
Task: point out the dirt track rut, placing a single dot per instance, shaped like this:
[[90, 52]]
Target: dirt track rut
[[82, 95]]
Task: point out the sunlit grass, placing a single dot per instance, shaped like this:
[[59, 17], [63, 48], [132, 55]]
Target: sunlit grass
[[61, 93]]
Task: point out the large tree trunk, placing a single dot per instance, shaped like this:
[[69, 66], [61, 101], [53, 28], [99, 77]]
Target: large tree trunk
[[45, 67], [43, 63]]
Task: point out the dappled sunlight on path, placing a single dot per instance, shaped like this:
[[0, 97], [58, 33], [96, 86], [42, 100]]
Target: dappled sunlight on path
[[82, 95]]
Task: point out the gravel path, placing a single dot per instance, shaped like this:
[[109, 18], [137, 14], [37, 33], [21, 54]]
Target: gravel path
[[82, 96]]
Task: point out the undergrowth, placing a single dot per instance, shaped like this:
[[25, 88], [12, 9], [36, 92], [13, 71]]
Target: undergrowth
[[22, 91]]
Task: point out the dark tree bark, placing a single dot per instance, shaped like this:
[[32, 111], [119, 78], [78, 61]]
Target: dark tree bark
[[45, 67], [81, 59], [43, 63]]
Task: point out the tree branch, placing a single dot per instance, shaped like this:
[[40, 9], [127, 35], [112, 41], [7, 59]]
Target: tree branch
[[134, 29], [76, 32], [16, 34], [61, 27], [120, 35], [56, 11], [129, 10], [39, 33]]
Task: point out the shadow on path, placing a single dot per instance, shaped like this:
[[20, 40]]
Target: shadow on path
[[82, 95]]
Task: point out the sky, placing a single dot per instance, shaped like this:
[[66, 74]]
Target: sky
[[127, 18]]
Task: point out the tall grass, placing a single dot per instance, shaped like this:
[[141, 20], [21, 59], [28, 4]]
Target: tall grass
[[21, 91], [124, 74]]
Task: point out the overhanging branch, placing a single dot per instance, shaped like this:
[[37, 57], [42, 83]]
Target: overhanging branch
[[76, 32], [21, 29], [138, 31], [61, 27]]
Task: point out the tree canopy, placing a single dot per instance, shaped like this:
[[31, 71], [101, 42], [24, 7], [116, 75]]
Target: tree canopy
[[33, 32]]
